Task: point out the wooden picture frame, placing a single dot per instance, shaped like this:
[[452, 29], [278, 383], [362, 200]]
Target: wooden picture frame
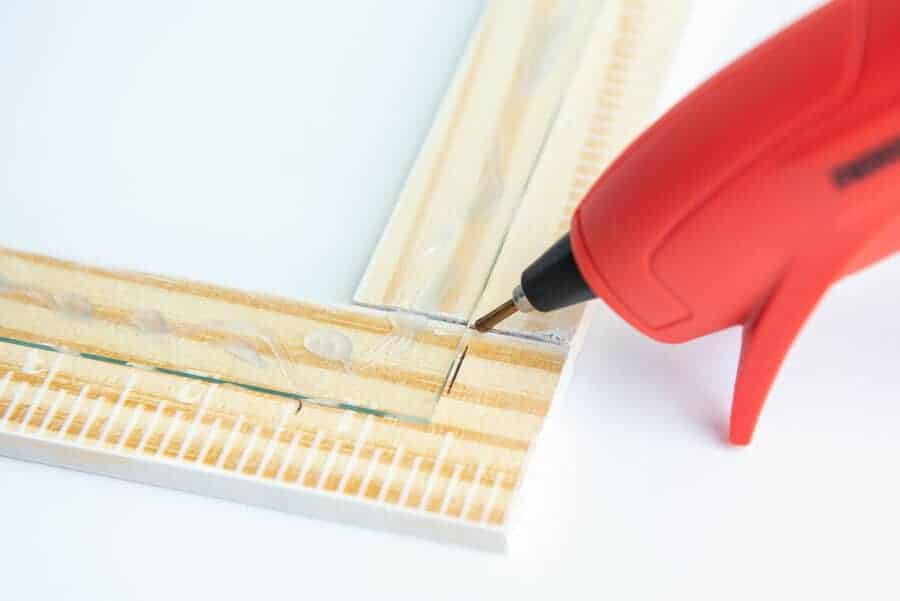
[[133, 375]]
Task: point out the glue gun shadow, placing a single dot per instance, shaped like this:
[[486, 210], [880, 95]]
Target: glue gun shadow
[[677, 389]]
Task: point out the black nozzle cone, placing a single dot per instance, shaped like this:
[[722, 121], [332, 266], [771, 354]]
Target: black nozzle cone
[[553, 281]]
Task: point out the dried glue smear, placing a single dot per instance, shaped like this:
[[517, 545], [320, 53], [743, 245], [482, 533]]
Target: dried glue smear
[[73, 306], [242, 350], [436, 261], [44, 299], [245, 342], [149, 321], [487, 199], [404, 327], [407, 325], [330, 345]]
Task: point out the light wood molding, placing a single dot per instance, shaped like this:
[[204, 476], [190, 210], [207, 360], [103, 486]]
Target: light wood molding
[[251, 339], [435, 256], [197, 387], [453, 478], [453, 213], [611, 100]]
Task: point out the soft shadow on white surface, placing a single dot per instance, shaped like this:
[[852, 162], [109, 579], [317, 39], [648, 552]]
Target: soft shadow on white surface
[[807, 511], [78, 536], [659, 507], [633, 494]]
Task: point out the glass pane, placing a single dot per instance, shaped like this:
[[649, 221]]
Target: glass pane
[[251, 146]]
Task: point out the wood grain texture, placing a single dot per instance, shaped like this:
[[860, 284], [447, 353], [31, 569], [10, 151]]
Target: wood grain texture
[[435, 254], [125, 421], [197, 387], [103, 405], [612, 99], [251, 339], [440, 244]]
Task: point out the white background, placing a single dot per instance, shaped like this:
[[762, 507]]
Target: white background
[[218, 140], [658, 507]]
